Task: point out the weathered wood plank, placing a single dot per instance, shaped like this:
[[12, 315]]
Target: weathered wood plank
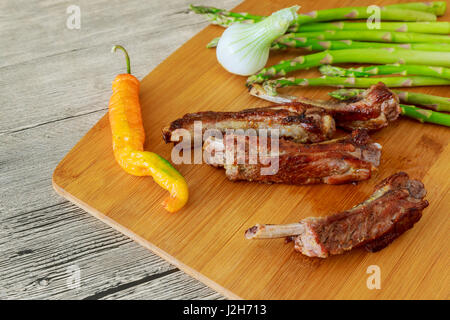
[[68, 72], [55, 85]]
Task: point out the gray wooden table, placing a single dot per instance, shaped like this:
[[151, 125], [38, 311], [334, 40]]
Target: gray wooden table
[[55, 82]]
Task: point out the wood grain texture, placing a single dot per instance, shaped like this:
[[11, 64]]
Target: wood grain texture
[[206, 238], [55, 85]]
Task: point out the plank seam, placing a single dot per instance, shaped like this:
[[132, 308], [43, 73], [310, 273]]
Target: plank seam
[[129, 285]]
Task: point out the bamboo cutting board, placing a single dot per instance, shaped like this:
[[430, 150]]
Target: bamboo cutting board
[[206, 238]]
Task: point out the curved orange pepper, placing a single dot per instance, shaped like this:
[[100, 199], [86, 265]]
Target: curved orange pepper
[[128, 141]]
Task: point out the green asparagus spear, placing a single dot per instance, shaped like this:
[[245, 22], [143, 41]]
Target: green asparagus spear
[[414, 112], [399, 12], [372, 35], [433, 102], [349, 13], [394, 82], [223, 17], [378, 56], [403, 69], [420, 27], [213, 43], [320, 45]]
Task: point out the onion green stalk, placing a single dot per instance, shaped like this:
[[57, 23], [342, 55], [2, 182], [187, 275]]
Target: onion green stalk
[[321, 45], [364, 35], [433, 102], [423, 115], [270, 86], [441, 27], [377, 56], [403, 69], [419, 114], [414, 11], [244, 48]]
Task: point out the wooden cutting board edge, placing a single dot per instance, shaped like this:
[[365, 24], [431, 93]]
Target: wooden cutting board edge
[[141, 241]]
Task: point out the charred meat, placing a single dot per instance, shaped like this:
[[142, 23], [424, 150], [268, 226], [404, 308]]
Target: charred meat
[[344, 160], [303, 125], [394, 207], [372, 110]]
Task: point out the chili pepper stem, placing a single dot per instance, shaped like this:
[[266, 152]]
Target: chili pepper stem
[[127, 57]]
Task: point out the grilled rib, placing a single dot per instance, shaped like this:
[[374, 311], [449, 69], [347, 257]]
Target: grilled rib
[[394, 207], [336, 161], [303, 125], [372, 110]]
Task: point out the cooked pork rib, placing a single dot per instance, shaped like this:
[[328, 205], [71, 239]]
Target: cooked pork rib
[[304, 125], [336, 161], [393, 208], [372, 110]]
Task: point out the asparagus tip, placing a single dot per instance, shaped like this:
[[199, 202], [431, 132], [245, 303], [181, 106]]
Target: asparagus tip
[[213, 43]]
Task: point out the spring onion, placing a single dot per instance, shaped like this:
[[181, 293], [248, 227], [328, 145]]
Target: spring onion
[[244, 48]]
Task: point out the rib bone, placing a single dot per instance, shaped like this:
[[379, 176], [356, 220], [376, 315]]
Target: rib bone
[[394, 207]]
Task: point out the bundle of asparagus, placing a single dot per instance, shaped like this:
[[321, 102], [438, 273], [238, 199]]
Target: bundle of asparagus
[[381, 56], [432, 102], [414, 51]]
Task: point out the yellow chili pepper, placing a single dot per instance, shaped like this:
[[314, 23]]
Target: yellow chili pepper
[[128, 140]]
